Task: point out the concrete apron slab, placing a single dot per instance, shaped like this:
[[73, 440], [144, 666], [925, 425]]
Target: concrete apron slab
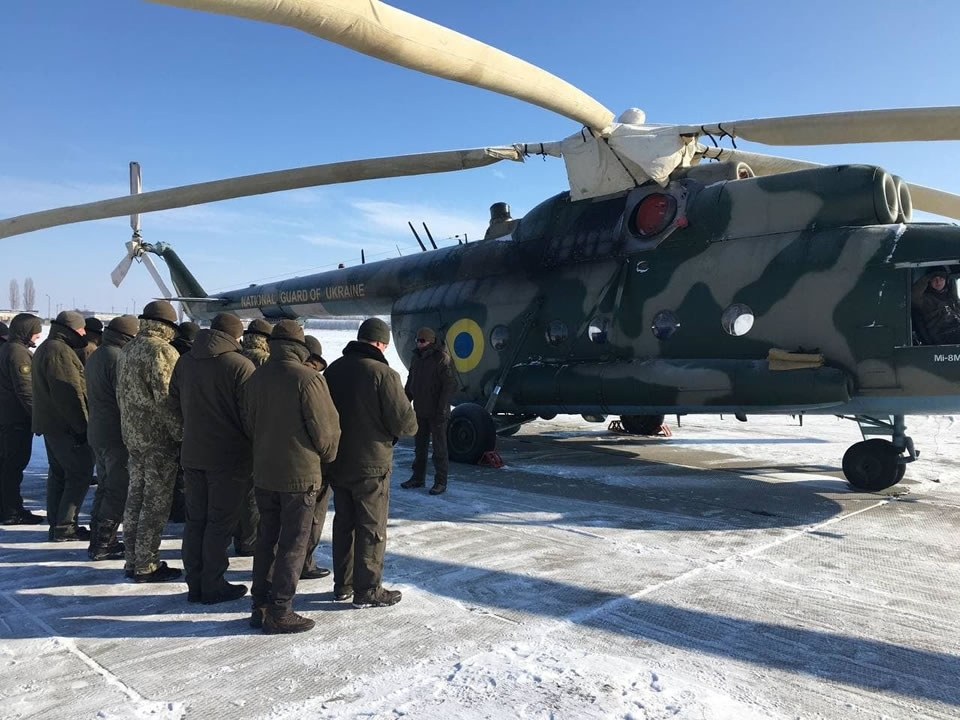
[[575, 582]]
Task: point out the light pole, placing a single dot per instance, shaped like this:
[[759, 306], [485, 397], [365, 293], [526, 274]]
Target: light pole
[[134, 306], [48, 304]]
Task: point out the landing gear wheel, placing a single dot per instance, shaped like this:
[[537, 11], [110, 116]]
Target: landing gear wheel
[[470, 433], [641, 424], [873, 465]]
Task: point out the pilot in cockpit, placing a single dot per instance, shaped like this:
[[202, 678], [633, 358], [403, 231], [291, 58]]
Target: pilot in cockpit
[[935, 302]]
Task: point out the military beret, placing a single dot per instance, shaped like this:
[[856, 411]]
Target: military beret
[[288, 330], [374, 330], [259, 327], [162, 311], [125, 325], [70, 319], [427, 334], [228, 323]]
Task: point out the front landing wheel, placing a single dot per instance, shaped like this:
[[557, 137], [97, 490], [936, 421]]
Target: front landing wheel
[[470, 433], [873, 465]]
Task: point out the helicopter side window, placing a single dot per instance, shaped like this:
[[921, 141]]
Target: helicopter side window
[[556, 333], [665, 324], [599, 330], [935, 308], [500, 337], [737, 320]]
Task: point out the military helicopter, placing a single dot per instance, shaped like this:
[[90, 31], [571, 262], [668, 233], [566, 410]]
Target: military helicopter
[[657, 284]]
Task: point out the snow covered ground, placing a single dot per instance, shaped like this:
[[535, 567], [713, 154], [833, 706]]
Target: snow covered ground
[[725, 572]]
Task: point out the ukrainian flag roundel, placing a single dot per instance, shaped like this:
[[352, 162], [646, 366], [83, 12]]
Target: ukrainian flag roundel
[[465, 340]]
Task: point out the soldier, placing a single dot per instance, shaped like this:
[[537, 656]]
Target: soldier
[[186, 332], [4, 333], [310, 569], [16, 415], [151, 432], [94, 336], [206, 392], [295, 429], [103, 433], [430, 385], [255, 349], [60, 415], [374, 413], [938, 307]]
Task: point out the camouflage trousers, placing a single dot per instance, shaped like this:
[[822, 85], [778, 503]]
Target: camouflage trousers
[[153, 472]]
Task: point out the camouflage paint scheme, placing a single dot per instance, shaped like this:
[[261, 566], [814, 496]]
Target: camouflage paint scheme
[[810, 253]]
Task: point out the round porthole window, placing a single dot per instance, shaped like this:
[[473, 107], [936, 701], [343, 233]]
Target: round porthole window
[[737, 319], [499, 337], [665, 324], [556, 332], [599, 330]]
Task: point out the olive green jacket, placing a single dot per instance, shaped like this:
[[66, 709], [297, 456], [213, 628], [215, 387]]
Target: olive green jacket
[[291, 420], [374, 411], [59, 387]]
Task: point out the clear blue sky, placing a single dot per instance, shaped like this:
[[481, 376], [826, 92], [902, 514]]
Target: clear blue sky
[[88, 86]]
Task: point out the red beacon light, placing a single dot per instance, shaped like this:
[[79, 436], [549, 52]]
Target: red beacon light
[[654, 214]]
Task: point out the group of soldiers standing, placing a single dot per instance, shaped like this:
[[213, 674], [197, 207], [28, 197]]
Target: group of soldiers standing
[[260, 429]]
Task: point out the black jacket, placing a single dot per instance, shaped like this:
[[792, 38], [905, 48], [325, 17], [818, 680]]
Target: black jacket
[[430, 383], [16, 371], [103, 427], [374, 411], [291, 420], [206, 393]]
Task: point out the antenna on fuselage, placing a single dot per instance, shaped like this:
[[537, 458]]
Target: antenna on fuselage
[[422, 246], [363, 258], [430, 236]]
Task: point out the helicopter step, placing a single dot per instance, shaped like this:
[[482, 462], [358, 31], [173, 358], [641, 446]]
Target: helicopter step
[[876, 463]]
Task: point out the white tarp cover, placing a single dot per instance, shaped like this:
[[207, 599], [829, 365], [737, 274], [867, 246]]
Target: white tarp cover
[[630, 156]]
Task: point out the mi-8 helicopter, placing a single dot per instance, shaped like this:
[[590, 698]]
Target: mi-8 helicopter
[[657, 284]]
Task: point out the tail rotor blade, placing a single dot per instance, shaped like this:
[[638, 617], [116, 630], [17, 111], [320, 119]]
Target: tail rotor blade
[[120, 271], [156, 276]]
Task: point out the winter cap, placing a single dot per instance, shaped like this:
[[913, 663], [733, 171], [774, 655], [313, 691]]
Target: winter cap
[[314, 346], [288, 330], [427, 334], [125, 325], [70, 319], [230, 324], [93, 325], [162, 311], [374, 330], [188, 331], [24, 326], [4, 331], [259, 327], [940, 272]]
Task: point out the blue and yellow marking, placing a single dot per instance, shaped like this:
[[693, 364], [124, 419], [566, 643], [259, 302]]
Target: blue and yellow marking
[[465, 340]]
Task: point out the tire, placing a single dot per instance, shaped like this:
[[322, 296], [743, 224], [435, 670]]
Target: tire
[[470, 433], [641, 424], [873, 465]]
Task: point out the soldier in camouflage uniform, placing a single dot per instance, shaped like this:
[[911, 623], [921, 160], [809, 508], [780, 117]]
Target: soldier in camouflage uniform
[[151, 432], [256, 350]]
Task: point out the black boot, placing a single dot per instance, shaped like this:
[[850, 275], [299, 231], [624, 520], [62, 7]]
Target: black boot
[[163, 573], [226, 593], [103, 542], [381, 597], [288, 622], [413, 482], [439, 487]]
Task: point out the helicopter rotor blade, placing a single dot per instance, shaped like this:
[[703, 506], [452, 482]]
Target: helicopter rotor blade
[[123, 267], [931, 200], [135, 187], [156, 275], [262, 183], [382, 31], [861, 126]]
